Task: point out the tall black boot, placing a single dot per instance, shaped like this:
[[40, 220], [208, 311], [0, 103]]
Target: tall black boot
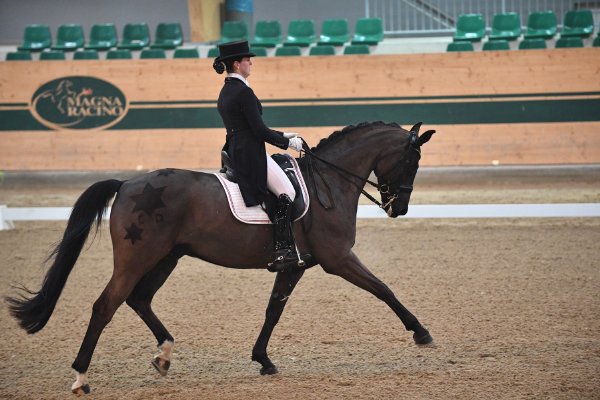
[[285, 249]]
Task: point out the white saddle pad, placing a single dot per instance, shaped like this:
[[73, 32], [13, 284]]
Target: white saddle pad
[[255, 214]]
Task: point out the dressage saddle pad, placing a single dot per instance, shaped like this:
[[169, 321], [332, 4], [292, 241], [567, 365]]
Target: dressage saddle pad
[[256, 214]]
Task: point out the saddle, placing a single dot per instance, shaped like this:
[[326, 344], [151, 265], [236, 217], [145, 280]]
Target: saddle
[[288, 164]]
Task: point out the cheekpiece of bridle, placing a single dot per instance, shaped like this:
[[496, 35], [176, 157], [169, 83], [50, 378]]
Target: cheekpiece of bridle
[[388, 189]]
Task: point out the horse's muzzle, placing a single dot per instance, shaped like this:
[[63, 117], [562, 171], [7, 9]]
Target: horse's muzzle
[[394, 213]]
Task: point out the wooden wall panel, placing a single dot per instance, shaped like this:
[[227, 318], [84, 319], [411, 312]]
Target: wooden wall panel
[[309, 80], [464, 145], [446, 74]]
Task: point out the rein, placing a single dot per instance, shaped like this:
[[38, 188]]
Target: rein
[[382, 189]]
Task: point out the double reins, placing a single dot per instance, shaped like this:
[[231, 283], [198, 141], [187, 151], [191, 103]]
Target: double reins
[[382, 189]]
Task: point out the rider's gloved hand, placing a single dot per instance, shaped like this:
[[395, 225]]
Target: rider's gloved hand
[[295, 143], [289, 135]]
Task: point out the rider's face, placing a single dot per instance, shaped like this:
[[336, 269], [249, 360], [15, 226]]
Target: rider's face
[[244, 67]]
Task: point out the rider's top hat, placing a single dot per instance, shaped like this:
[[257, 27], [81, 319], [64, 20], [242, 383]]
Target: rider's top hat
[[234, 50]]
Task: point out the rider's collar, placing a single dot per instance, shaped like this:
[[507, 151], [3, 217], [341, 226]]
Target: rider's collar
[[241, 78]]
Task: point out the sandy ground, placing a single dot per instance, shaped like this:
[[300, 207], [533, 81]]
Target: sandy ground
[[513, 306]]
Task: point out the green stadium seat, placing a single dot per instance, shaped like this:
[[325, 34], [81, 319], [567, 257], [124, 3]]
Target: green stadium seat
[[89, 54], [460, 46], [324, 50], [578, 23], [596, 42], [532, 44], [259, 51], [506, 26], [267, 34], [470, 27], [18, 56], [69, 37], [301, 32], [356, 49], [368, 31], [499, 44], [334, 32], [102, 37], [541, 25], [52, 55], [135, 37], [119, 54], [287, 51], [234, 31], [153, 53], [213, 52], [36, 38], [186, 53], [168, 36], [569, 42]]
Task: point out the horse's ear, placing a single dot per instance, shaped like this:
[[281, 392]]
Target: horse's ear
[[424, 138], [416, 127]]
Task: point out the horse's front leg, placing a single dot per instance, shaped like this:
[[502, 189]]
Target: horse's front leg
[[351, 269], [285, 282]]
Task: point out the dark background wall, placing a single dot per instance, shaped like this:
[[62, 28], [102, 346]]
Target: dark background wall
[[16, 14]]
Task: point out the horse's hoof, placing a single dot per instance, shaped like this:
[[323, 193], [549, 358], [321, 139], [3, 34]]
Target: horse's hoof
[[161, 365], [272, 370], [422, 338], [81, 390]]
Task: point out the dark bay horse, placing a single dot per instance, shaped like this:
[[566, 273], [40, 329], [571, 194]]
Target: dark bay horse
[[161, 216]]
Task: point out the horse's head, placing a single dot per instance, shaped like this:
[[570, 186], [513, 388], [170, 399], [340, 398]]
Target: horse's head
[[396, 172]]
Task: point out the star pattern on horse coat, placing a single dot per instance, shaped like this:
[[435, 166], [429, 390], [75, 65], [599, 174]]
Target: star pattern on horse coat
[[134, 233], [149, 200]]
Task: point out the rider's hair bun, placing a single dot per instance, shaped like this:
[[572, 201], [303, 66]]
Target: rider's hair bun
[[219, 66]]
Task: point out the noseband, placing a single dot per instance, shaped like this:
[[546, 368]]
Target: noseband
[[389, 189]]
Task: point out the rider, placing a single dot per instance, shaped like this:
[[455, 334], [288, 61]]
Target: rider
[[247, 134]]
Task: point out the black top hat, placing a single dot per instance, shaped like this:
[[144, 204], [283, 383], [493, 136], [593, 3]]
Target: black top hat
[[234, 50]]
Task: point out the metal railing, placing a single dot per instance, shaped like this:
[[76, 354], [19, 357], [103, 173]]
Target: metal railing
[[438, 17]]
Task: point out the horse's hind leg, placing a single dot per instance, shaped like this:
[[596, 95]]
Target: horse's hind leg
[[118, 289], [285, 282], [351, 269], [140, 301]]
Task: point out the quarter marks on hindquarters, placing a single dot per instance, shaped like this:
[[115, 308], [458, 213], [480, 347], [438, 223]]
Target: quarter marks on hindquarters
[[146, 203]]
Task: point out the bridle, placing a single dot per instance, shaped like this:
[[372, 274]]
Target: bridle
[[389, 189]]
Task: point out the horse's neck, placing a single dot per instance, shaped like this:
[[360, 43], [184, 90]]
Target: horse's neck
[[358, 156]]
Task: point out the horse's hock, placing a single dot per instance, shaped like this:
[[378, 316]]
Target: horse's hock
[[489, 108]]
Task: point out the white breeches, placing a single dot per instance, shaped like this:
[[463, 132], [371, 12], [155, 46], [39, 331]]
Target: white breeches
[[277, 180]]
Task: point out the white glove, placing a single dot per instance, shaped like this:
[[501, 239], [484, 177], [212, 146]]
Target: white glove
[[295, 143], [289, 135]]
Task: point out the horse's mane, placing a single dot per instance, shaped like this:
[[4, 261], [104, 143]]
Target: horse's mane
[[335, 136]]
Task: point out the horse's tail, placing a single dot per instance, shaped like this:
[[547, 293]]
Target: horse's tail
[[34, 312]]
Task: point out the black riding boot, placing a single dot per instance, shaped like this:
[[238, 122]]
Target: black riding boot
[[285, 249]]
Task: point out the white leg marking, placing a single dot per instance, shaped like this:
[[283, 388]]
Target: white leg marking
[[166, 349], [80, 380]]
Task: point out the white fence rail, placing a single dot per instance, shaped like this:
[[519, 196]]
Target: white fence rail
[[567, 210], [414, 17]]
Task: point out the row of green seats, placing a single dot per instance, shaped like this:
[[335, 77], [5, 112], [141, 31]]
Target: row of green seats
[[525, 44], [286, 51], [70, 37], [540, 25], [301, 32], [115, 54]]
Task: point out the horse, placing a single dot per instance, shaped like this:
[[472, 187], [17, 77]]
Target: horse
[[160, 216]]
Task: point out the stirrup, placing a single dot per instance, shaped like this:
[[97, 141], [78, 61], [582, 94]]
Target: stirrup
[[284, 262]]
